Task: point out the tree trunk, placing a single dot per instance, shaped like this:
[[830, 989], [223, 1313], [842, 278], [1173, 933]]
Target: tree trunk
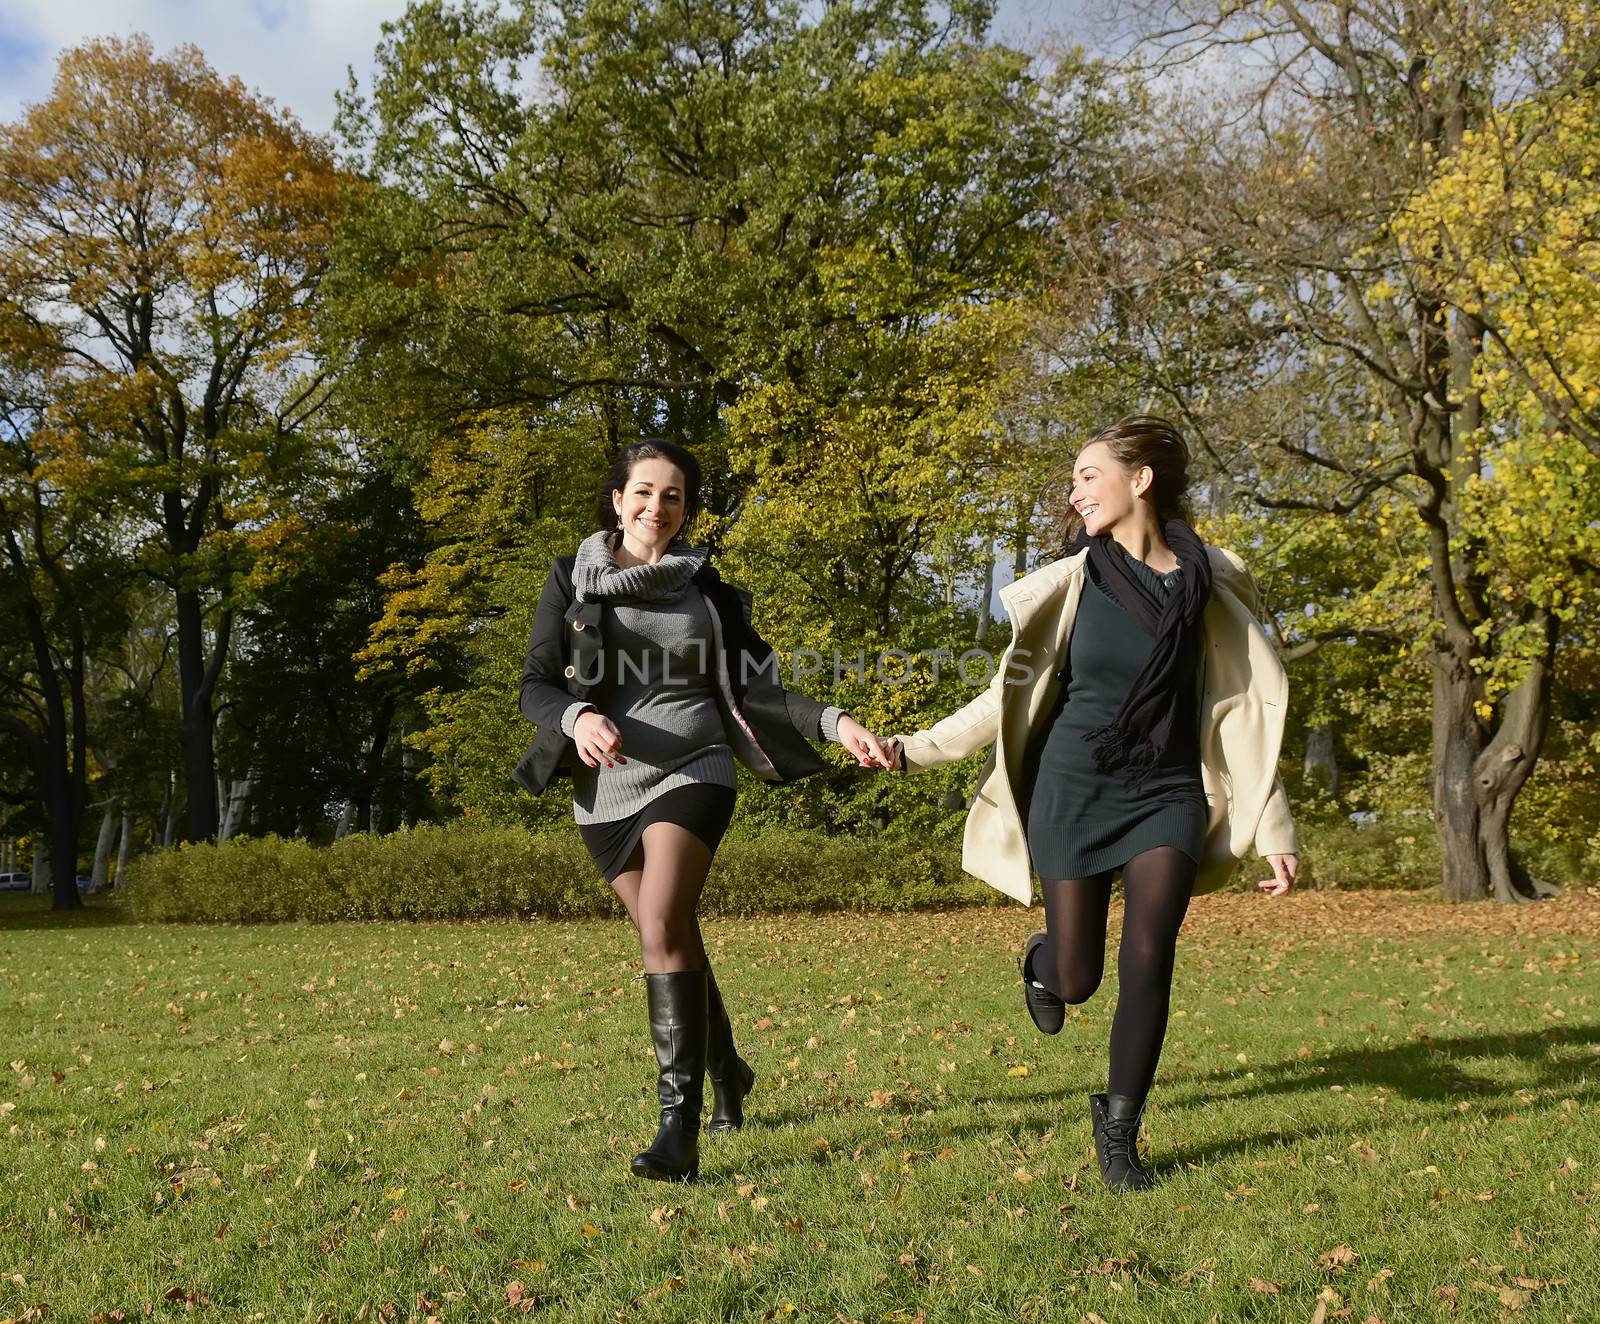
[[981, 634], [237, 802], [55, 856], [372, 775], [1321, 765], [408, 772], [60, 750], [234, 805], [1503, 768], [122, 847], [169, 826], [1476, 779], [64, 852], [1457, 742], [1019, 545], [197, 681], [100, 874]]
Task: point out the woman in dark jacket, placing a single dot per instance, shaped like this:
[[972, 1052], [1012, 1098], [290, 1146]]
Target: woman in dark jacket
[[643, 664]]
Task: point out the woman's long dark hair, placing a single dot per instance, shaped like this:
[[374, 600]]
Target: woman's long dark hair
[[1136, 440], [652, 448]]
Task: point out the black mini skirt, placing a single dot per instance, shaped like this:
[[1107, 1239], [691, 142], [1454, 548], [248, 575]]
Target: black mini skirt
[[702, 809]]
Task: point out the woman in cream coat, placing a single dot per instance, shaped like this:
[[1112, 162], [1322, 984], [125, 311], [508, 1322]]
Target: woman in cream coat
[[1138, 714]]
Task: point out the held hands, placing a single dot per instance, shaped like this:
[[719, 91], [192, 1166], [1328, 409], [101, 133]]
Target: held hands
[[868, 748], [597, 739], [896, 750], [1284, 868]]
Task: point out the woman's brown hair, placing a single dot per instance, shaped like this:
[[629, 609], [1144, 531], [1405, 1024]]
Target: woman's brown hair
[[1135, 441], [652, 448]]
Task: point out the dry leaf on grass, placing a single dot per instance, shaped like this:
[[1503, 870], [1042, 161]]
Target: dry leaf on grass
[[1340, 1257]]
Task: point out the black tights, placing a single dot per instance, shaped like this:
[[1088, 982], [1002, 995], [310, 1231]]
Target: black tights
[[1156, 886], [660, 885]]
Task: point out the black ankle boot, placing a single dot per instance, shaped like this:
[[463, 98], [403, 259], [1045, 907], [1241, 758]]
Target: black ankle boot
[[1048, 1011], [1116, 1140], [731, 1076], [678, 1026]]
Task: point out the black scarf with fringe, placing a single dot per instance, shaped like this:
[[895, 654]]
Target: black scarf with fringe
[[1140, 733]]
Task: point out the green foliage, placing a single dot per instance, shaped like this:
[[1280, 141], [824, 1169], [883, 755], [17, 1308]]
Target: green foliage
[[1345, 599], [464, 872], [467, 871], [1400, 854], [310, 725], [1505, 229], [418, 873], [801, 243]]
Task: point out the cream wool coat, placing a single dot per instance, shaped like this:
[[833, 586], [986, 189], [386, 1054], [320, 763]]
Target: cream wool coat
[[1244, 695]]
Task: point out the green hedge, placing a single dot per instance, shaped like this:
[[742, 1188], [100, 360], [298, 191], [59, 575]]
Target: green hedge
[[465, 872], [1382, 857]]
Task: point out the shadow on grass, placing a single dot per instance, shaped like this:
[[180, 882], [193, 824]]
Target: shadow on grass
[[19, 911], [1562, 1059], [1435, 1070]]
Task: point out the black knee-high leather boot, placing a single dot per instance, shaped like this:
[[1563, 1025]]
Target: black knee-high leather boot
[[731, 1076], [1116, 1120], [678, 1027]]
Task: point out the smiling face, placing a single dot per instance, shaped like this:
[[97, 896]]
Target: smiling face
[[651, 505], [1104, 491]]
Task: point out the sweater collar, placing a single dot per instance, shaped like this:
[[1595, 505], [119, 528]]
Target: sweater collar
[[596, 576]]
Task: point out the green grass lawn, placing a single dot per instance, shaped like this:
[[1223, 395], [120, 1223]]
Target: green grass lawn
[[1372, 1106]]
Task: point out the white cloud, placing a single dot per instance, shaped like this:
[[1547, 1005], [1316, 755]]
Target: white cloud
[[297, 51], [294, 51]]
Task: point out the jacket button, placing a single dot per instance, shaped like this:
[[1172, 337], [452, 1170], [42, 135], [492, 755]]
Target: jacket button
[[570, 672], [577, 625]]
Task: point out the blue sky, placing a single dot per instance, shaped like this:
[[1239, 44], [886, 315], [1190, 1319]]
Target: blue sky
[[296, 51]]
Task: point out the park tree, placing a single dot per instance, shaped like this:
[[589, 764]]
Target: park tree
[[496, 505], [799, 242], [61, 586], [134, 719], [312, 724], [162, 231], [1294, 295], [1505, 230]]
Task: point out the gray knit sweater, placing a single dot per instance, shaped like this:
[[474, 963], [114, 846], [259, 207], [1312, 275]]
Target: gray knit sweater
[[659, 686]]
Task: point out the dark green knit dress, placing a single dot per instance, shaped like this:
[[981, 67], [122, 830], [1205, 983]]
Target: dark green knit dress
[[1081, 821]]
